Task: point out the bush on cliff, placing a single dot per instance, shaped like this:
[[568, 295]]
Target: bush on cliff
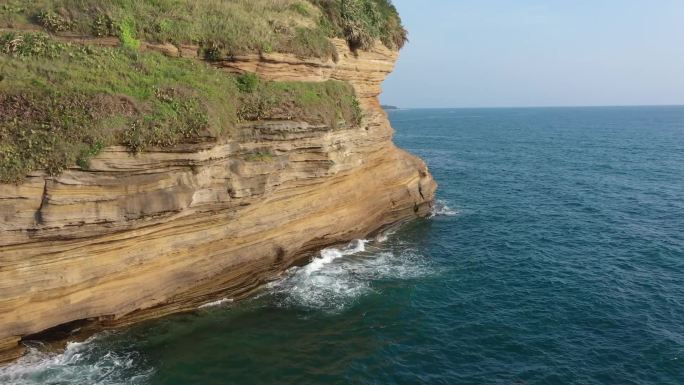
[[362, 22]]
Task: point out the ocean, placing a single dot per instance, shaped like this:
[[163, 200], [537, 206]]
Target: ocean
[[555, 256]]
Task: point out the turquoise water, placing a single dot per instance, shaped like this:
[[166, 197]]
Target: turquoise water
[[556, 257]]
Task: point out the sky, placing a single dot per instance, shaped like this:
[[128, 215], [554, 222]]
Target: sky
[[522, 53]]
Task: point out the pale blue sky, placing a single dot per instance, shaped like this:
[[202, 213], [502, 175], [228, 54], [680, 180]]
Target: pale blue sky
[[485, 53]]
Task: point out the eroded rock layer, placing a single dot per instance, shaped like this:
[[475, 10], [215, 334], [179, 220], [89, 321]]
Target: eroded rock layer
[[138, 237]]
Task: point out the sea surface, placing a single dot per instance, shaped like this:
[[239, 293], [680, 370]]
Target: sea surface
[[555, 256]]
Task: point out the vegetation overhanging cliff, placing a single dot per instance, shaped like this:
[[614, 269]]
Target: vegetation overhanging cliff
[[155, 156]]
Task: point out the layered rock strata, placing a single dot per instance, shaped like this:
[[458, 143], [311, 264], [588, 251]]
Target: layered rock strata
[[139, 237]]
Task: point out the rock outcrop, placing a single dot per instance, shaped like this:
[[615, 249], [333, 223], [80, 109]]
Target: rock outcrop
[[138, 237]]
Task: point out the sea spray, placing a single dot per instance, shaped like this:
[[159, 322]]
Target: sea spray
[[217, 303], [339, 276], [330, 254], [87, 362], [441, 208], [330, 283]]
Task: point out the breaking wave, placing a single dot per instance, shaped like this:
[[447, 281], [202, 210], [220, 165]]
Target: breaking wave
[[331, 282], [340, 276], [89, 362], [218, 303], [442, 209]]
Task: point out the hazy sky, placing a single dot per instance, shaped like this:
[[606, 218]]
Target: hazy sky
[[481, 53]]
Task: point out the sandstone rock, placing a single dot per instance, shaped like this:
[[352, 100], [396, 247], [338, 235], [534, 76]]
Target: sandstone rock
[[138, 237]]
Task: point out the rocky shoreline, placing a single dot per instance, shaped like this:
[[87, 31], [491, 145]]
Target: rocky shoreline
[[168, 230]]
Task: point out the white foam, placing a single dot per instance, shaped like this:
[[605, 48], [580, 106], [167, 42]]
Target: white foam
[[331, 254], [338, 277], [331, 282], [80, 363], [384, 236], [220, 302], [441, 208]]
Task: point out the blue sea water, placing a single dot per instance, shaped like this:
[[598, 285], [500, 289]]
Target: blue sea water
[[556, 256]]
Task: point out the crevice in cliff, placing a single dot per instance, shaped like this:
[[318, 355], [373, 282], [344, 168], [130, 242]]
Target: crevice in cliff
[[38, 216]]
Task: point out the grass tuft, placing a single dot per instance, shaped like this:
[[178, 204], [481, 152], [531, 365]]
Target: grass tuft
[[329, 103], [260, 156]]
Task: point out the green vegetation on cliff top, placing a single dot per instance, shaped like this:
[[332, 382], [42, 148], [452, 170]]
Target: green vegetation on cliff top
[[62, 103], [220, 27]]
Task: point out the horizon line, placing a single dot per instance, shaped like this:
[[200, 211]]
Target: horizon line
[[522, 107]]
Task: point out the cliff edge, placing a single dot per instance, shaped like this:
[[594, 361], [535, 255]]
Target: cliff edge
[[139, 235]]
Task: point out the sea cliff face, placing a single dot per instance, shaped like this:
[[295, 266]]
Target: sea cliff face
[[142, 236]]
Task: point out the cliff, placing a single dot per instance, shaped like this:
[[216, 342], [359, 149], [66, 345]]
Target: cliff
[[139, 236]]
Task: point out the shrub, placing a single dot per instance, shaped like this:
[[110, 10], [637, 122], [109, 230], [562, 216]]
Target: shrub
[[53, 22], [30, 45], [361, 22], [247, 82], [83, 160], [127, 35], [257, 106], [103, 25], [211, 52]]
